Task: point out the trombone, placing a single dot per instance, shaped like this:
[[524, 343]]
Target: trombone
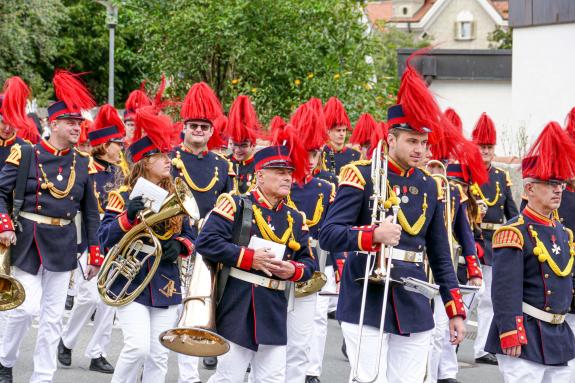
[[378, 272]]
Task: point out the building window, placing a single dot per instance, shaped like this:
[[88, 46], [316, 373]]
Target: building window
[[404, 10], [465, 26]]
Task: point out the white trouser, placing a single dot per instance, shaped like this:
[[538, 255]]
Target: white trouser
[[45, 296], [319, 332], [484, 313], [570, 319], [187, 365], [516, 370], [141, 326], [442, 353], [299, 331], [87, 300], [268, 365], [403, 358]]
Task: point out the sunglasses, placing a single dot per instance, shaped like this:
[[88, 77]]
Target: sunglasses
[[194, 126]]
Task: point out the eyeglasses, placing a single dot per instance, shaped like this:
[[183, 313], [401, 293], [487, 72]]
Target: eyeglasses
[[552, 184], [194, 126]]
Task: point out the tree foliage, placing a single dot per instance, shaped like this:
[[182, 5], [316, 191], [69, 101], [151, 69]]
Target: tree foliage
[[501, 38]]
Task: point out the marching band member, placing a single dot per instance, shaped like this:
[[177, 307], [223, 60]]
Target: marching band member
[[311, 198], [252, 311], [532, 271], [106, 140], [59, 184], [496, 194], [409, 318], [335, 153], [207, 174], [136, 99], [243, 130], [155, 309]]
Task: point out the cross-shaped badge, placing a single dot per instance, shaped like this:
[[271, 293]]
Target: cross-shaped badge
[[556, 249]]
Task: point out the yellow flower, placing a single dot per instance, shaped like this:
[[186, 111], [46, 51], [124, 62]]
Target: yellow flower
[[235, 81], [297, 82], [254, 90], [367, 86], [309, 76], [336, 76]]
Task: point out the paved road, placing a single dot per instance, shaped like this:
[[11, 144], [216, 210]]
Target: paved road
[[336, 368]]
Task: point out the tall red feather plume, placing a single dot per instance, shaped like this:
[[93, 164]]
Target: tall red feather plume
[[218, 140], [138, 99], [379, 134], [364, 129], [288, 136], [13, 108], [454, 118], [201, 103], [160, 93], [157, 127], [69, 88], [108, 116], [335, 114], [484, 132], [570, 124], [176, 134], [310, 128], [29, 132], [316, 104], [243, 124], [541, 161], [276, 124]]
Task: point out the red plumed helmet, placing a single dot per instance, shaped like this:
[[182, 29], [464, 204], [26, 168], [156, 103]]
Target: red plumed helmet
[[85, 128], [310, 128], [108, 126], [137, 99], [335, 114], [541, 161], [288, 136], [201, 103], [454, 118], [484, 132], [218, 138], [158, 128], [277, 124], [243, 124], [364, 129], [13, 103], [570, 125], [316, 104], [71, 90]]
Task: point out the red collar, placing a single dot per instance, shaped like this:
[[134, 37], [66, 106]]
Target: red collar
[[397, 169], [99, 167], [187, 150], [8, 141], [570, 188], [246, 162], [52, 150], [263, 201], [538, 218]]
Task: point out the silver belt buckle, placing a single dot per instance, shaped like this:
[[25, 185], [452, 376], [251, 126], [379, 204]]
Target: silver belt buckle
[[410, 256], [557, 319], [274, 284]]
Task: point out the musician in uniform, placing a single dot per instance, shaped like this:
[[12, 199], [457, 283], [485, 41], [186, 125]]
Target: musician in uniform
[[335, 154], [252, 311], [156, 308], [106, 140], [243, 130], [533, 272], [409, 318], [312, 198], [58, 184], [207, 174], [496, 194]]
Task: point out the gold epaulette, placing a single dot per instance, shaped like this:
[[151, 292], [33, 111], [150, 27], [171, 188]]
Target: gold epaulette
[[231, 171], [570, 234], [440, 192], [116, 202], [507, 236], [351, 176], [425, 171], [91, 165], [15, 155], [464, 197], [225, 206], [83, 154], [332, 193], [507, 176]]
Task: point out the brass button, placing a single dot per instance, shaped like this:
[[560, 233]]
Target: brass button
[[547, 308], [548, 292], [39, 207], [546, 276], [39, 193]]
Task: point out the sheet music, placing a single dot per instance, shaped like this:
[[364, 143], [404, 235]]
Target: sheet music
[[151, 193], [260, 243]]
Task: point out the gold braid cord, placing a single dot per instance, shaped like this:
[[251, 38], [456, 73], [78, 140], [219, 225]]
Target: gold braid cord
[[179, 164], [54, 191], [476, 190], [269, 234], [402, 219], [316, 214], [540, 251]]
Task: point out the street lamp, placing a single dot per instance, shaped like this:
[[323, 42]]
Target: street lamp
[[111, 22]]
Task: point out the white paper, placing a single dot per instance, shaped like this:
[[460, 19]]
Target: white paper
[[278, 249], [153, 195]]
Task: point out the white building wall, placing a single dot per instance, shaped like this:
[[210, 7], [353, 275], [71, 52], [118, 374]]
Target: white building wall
[[471, 98], [543, 76]]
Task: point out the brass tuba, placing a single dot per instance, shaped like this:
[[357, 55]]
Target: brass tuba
[[195, 332], [12, 293], [122, 259]]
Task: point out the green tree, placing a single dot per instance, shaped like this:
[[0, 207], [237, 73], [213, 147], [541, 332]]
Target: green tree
[[501, 38]]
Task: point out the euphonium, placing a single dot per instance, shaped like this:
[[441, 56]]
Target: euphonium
[[122, 259], [12, 293], [195, 332]]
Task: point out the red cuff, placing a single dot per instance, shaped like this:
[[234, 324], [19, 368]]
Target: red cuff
[[95, 258], [7, 224], [298, 273], [245, 259], [480, 252], [455, 306], [188, 244], [125, 223], [365, 238], [473, 268], [514, 337], [340, 263]]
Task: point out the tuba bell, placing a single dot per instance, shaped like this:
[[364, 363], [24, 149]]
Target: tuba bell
[[12, 293], [195, 332], [122, 259]]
